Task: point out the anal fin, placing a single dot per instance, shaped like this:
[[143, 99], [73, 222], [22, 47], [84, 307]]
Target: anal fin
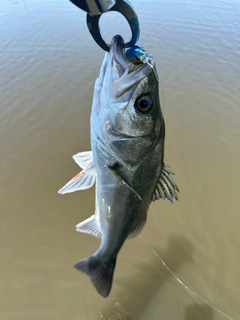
[[166, 188], [89, 226]]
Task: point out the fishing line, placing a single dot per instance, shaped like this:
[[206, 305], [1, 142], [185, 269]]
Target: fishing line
[[179, 281]]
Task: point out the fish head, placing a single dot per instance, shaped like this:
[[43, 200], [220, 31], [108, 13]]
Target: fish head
[[126, 108]]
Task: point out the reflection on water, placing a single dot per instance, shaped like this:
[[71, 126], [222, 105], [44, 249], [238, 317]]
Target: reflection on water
[[48, 65], [115, 310], [150, 275]]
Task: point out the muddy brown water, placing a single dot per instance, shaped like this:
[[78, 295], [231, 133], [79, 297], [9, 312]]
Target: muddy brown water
[[48, 65]]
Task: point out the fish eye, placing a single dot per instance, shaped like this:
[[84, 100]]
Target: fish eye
[[144, 104]]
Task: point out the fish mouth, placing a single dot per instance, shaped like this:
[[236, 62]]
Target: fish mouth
[[117, 55], [124, 76]]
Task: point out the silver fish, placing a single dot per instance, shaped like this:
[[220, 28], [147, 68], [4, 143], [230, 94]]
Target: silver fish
[[127, 140]]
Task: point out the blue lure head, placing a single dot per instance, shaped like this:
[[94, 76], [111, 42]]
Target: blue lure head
[[137, 55]]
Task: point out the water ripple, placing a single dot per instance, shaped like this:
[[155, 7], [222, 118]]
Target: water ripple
[[115, 310]]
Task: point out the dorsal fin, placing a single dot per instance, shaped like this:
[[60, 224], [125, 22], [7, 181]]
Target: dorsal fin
[[166, 188]]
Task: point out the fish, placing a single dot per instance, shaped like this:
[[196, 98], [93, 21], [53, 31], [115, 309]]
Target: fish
[[126, 162]]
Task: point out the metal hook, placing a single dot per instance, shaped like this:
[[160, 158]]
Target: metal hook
[[124, 7]]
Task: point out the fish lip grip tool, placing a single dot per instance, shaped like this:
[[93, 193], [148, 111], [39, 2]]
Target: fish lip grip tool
[[122, 6], [94, 6]]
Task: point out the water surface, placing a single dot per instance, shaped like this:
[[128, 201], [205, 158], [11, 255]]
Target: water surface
[[48, 65]]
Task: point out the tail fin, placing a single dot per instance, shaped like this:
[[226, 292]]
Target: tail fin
[[101, 273]]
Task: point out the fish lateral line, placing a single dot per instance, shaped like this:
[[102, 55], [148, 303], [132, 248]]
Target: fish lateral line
[[114, 168]]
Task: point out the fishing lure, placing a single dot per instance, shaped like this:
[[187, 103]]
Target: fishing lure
[[137, 54]]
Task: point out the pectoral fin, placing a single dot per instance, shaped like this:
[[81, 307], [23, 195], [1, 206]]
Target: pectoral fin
[[84, 179], [89, 226], [83, 159], [166, 188]]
